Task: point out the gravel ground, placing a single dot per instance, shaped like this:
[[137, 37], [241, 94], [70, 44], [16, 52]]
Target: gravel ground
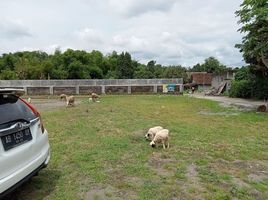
[[244, 104], [44, 104]]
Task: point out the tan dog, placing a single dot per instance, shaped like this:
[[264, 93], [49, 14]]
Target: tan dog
[[152, 131], [62, 97], [94, 96], [69, 99], [161, 136]]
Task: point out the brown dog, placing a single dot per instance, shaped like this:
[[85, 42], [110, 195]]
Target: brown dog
[[94, 97]]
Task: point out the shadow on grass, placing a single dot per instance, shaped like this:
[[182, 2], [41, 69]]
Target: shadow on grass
[[38, 187]]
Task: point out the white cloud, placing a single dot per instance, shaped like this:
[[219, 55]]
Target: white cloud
[[132, 42], [170, 32], [133, 8], [90, 35], [14, 29]]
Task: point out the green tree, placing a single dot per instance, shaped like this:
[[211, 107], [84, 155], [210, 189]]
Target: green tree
[[125, 68], [175, 72], [22, 68], [110, 63], [8, 74], [211, 65], [47, 68], [151, 66], [142, 72], [243, 74], [197, 68], [110, 75], [8, 61], [58, 69], [95, 72], [158, 72], [98, 61], [59, 73], [76, 70], [253, 16]]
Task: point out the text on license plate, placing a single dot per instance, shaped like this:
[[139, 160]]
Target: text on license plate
[[15, 139]]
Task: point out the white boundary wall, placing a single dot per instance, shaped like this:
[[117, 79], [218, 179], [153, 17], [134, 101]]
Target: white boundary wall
[[85, 85]]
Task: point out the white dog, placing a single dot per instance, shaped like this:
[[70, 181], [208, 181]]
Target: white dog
[[152, 131], [161, 136]]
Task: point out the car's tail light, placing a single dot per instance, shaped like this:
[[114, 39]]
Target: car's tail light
[[37, 114]]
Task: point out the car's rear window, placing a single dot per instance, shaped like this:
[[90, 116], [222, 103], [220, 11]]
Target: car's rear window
[[13, 109]]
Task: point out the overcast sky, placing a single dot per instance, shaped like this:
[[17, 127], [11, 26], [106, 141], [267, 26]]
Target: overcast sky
[[169, 31]]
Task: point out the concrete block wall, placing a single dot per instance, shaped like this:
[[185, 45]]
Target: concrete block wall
[[114, 89], [90, 89], [64, 90], [85, 86], [142, 89], [38, 90]]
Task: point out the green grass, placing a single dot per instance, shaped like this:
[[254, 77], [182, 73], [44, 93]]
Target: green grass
[[99, 151]]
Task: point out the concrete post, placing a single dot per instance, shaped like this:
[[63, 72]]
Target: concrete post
[[25, 89], [77, 89], [51, 90], [181, 88], [103, 89], [129, 89], [155, 88]]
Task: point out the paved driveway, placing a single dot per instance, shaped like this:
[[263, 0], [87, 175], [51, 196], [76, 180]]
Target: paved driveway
[[227, 101]]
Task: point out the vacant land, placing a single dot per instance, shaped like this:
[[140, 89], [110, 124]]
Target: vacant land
[[99, 151]]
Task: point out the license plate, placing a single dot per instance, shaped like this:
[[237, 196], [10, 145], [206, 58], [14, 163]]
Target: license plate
[[15, 139]]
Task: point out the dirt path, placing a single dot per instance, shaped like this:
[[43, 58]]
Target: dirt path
[[227, 101]]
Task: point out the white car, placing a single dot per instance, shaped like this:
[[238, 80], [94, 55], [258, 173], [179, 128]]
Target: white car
[[24, 146]]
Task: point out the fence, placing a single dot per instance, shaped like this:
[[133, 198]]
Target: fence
[[100, 86]]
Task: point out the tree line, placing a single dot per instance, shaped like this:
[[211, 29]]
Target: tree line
[[79, 64]]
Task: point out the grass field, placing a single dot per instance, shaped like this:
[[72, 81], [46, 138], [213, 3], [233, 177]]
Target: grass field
[[99, 151]]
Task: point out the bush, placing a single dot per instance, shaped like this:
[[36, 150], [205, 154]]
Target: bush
[[249, 85], [242, 89], [243, 74], [260, 88]]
